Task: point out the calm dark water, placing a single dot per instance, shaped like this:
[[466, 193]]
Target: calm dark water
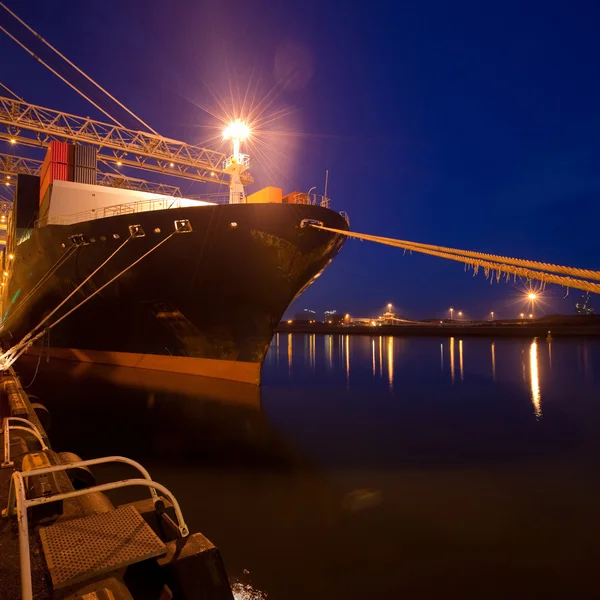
[[368, 467]]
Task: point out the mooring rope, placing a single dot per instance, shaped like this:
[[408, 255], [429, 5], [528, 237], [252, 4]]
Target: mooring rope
[[32, 332], [9, 358], [489, 262], [62, 259]]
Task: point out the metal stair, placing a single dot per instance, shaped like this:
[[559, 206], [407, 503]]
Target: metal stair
[[88, 547], [78, 549]]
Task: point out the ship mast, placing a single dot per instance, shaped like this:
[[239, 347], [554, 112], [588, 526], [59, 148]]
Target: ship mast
[[237, 131]]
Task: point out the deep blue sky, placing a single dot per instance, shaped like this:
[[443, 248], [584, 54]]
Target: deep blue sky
[[469, 124]]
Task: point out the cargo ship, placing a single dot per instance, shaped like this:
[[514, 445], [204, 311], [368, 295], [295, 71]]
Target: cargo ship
[[198, 285]]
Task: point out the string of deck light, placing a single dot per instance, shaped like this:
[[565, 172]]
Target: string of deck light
[[490, 263]]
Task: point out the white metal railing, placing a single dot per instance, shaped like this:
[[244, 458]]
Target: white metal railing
[[240, 159], [311, 199], [129, 208], [162, 203], [18, 503], [6, 429]]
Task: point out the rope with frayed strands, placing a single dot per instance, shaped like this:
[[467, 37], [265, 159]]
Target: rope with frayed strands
[[490, 263]]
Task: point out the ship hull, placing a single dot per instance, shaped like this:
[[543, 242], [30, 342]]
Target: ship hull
[[205, 302]]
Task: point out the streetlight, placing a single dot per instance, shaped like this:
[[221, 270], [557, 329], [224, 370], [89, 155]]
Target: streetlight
[[451, 313], [459, 314], [532, 296], [492, 313], [531, 316], [390, 307], [522, 315]]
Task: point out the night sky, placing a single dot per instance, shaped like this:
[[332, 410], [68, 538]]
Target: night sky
[[474, 125]]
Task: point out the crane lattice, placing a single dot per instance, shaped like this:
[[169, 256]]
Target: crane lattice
[[36, 126], [14, 165]]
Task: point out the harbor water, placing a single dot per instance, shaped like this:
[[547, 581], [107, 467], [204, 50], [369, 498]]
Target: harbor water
[[366, 467]]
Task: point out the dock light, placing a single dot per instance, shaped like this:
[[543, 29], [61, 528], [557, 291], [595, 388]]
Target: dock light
[[236, 130], [8, 177], [532, 296], [171, 165]]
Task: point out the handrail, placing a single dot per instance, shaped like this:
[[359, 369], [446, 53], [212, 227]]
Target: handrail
[[19, 501], [127, 208], [161, 203], [6, 427], [95, 461]]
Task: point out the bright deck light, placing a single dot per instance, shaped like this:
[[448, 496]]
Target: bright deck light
[[236, 130]]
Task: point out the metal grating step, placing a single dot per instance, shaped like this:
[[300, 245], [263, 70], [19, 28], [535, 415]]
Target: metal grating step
[[78, 549]]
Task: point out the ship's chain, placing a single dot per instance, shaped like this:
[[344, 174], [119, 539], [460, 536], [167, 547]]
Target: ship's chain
[[490, 262], [15, 352]]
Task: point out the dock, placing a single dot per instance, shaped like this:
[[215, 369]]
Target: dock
[[555, 327], [62, 538]]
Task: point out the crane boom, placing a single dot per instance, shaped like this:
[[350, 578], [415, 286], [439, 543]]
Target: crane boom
[[37, 126], [15, 165]]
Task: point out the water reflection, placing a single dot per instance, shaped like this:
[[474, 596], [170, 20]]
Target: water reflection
[[313, 455], [460, 359], [373, 344], [452, 359], [536, 396], [347, 360], [390, 351]]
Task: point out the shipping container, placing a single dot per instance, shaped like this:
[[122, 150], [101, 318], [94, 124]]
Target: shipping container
[[85, 156], [26, 201], [296, 198], [85, 175], [267, 195], [58, 152], [53, 172]]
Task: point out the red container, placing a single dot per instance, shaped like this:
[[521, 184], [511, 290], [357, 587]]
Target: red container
[[58, 152]]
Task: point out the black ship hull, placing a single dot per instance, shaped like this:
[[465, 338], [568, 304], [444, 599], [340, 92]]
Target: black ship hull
[[205, 302]]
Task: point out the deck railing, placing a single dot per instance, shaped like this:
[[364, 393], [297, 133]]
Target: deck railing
[[162, 203], [129, 208]]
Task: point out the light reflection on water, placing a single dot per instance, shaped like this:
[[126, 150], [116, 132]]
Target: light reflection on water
[[536, 396], [368, 466], [395, 358]]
